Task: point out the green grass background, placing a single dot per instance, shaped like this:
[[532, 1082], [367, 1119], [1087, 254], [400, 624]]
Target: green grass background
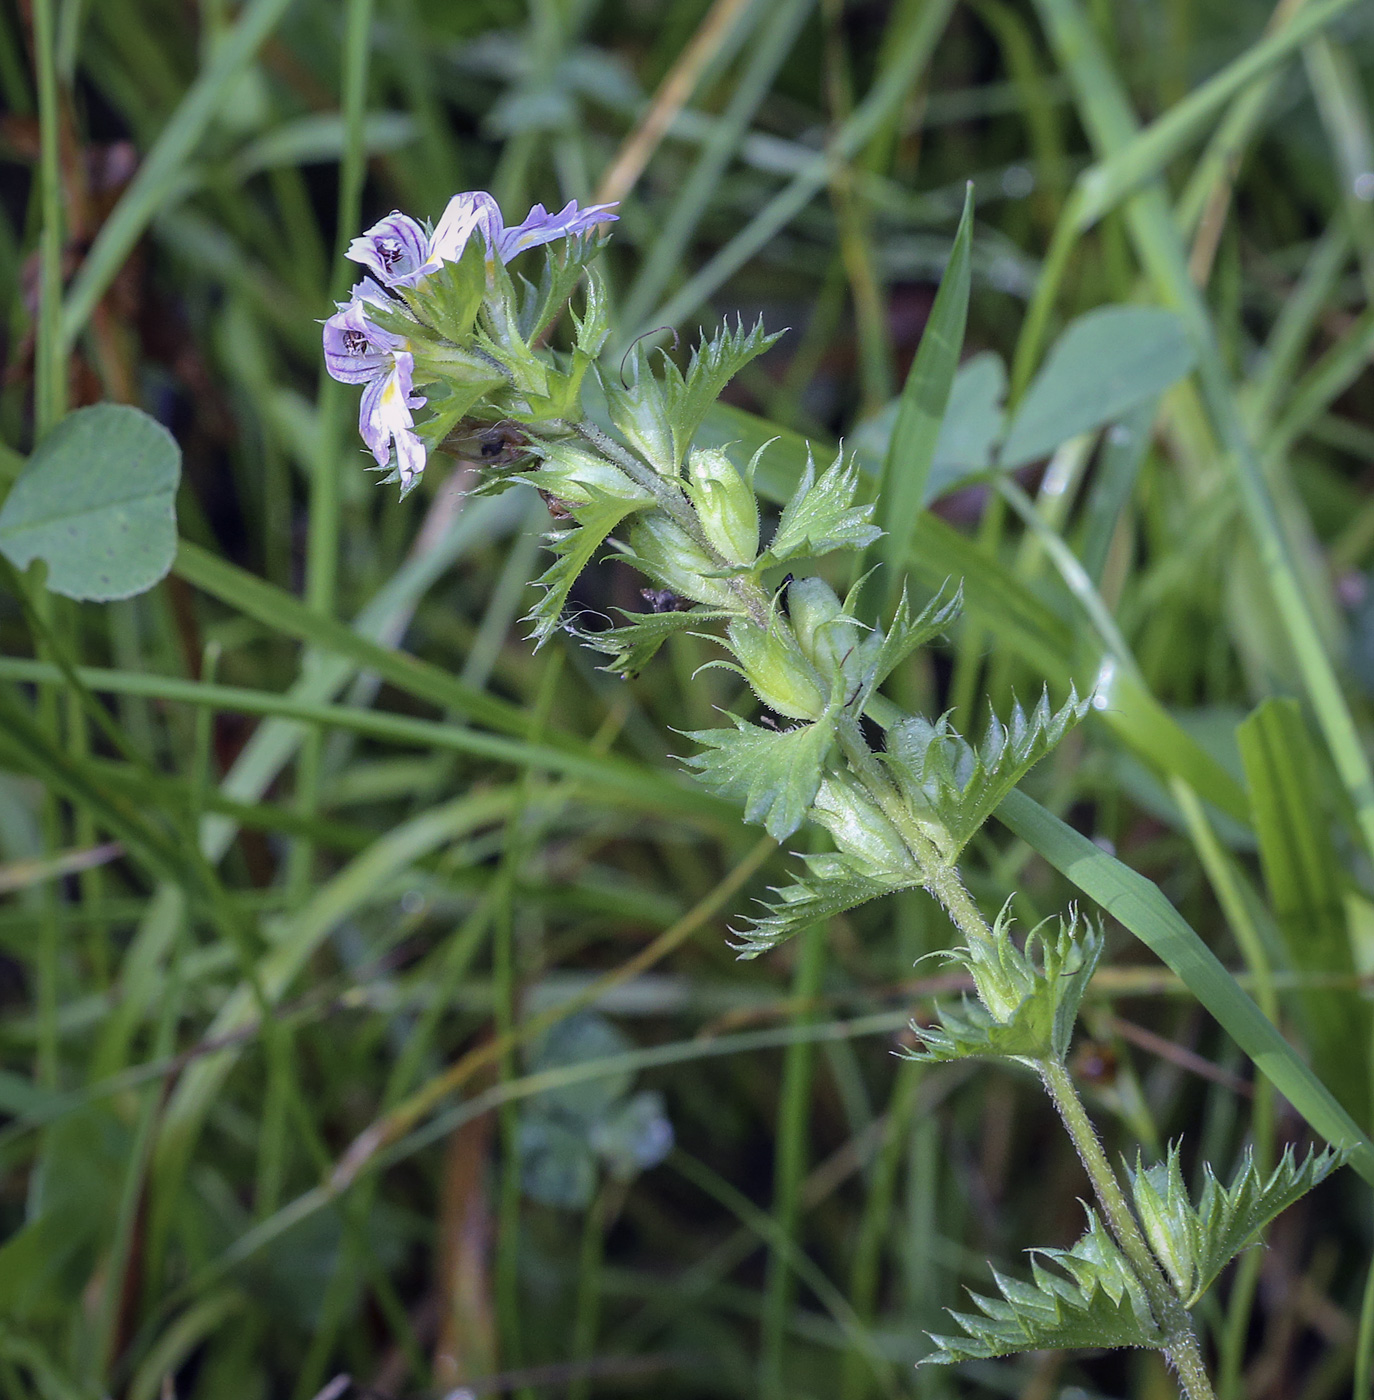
[[264, 1063]]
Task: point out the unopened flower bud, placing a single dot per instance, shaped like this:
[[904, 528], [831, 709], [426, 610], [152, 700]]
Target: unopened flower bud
[[774, 666], [675, 561], [725, 504], [1165, 1216], [826, 633], [573, 473], [859, 827]]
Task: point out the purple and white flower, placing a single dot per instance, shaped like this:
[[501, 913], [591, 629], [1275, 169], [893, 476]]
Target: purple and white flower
[[399, 254], [393, 248], [356, 351], [385, 416], [539, 226]]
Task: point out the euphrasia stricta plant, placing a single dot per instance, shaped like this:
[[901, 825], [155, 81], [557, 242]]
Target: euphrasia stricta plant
[[444, 324]]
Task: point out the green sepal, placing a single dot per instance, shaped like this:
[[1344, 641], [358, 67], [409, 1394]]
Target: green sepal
[[660, 415], [1195, 1243], [449, 402], [822, 516], [565, 261], [827, 631], [572, 474], [450, 297], [662, 549], [726, 506], [591, 330], [574, 549], [952, 787], [561, 396], [1091, 1299], [774, 772], [872, 861], [638, 409], [778, 671], [633, 646], [1028, 998]]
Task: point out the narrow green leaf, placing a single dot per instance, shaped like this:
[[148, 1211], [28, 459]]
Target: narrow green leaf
[[1105, 363], [97, 503], [283, 613], [1110, 121], [1141, 907], [1148, 152], [906, 467], [969, 430], [1304, 882], [1114, 479], [163, 169]]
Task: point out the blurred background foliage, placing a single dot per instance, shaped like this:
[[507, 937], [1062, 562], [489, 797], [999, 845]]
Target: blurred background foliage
[[289, 1084]]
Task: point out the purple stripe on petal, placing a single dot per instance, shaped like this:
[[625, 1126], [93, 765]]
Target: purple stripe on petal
[[356, 350], [385, 414], [539, 226], [352, 354], [393, 248]]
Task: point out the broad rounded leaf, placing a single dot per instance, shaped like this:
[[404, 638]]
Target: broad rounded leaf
[[97, 502], [1104, 364]]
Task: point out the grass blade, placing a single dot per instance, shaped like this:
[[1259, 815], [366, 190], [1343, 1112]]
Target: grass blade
[[1140, 905], [921, 409]]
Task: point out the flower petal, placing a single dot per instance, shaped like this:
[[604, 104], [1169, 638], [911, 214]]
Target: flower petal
[[464, 215], [385, 415], [352, 352], [539, 226], [393, 248]]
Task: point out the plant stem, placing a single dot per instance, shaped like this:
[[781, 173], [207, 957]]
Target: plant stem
[[1180, 1340], [50, 361]]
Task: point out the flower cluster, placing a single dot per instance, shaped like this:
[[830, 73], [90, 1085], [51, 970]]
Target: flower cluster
[[398, 319]]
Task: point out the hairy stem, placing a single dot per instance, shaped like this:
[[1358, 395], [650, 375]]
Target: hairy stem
[[1180, 1340]]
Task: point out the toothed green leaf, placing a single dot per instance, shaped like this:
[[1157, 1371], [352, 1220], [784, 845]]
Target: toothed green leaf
[[1195, 1243], [774, 772], [956, 787], [638, 407], [564, 265], [713, 365], [906, 634], [1092, 1299], [574, 549], [1029, 998], [633, 646], [822, 516], [833, 885]]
